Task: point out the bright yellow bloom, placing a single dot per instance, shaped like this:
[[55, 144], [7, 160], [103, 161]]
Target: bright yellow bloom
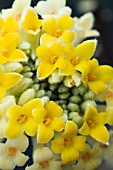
[[31, 23], [58, 29], [69, 144], [8, 26], [8, 80], [8, 51], [94, 125], [98, 76], [51, 59], [48, 120], [20, 119]]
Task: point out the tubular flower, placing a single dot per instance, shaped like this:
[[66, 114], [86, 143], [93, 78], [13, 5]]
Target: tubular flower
[[90, 159], [11, 153], [8, 80], [51, 59], [76, 57], [98, 76], [20, 119], [31, 22], [8, 26], [8, 51], [16, 10], [57, 29], [48, 120], [44, 161], [94, 125], [69, 144], [52, 8]]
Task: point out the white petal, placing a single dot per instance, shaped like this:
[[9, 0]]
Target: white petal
[[35, 166], [19, 5], [92, 33], [2, 126], [65, 10], [7, 12], [59, 2], [3, 148], [20, 159], [56, 165], [6, 162]]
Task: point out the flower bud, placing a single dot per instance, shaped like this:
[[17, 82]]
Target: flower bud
[[73, 107], [13, 67], [75, 99]]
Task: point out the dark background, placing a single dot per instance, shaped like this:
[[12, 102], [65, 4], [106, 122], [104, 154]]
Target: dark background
[[103, 11]]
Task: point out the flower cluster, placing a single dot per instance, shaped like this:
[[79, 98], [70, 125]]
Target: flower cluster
[[50, 87]]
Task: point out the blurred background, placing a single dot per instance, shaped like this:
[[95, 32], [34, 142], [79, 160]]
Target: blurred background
[[103, 12]]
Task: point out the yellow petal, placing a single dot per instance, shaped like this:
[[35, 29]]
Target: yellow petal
[[1, 23], [70, 69], [83, 67], [50, 25], [56, 124], [65, 22], [3, 59], [57, 48], [45, 69], [91, 113], [60, 63], [17, 55], [2, 92], [47, 39], [11, 79], [79, 143], [42, 130], [39, 114], [96, 86], [109, 111], [84, 130], [31, 105], [69, 50], [70, 129], [53, 109], [57, 145], [10, 25], [67, 37], [86, 49], [30, 127], [100, 133], [102, 118], [69, 155], [13, 130]]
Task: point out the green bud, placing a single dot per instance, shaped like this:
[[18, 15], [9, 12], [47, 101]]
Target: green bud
[[36, 87], [45, 100], [64, 117], [53, 86], [40, 93], [28, 74], [62, 101], [21, 86], [26, 68], [26, 96], [75, 99], [63, 89], [44, 85], [88, 95], [13, 67], [33, 55], [85, 104], [75, 91], [48, 93], [82, 89], [64, 95], [74, 116], [63, 106], [73, 107]]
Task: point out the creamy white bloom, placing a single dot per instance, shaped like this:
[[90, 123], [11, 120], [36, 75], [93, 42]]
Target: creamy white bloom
[[52, 8], [43, 160], [83, 27], [11, 153]]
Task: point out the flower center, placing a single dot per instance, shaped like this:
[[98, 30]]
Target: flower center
[[75, 60], [21, 119], [109, 93], [67, 141], [32, 27], [18, 16], [86, 156], [52, 12], [91, 77], [5, 53], [90, 123], [47, 121], [58, 33], [44, 164], [11, 151], [53, 59]]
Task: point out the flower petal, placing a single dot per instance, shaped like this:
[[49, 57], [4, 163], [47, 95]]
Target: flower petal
[[2, 92], [17, 55], [79, 143], [47, 39], [57, 124], [83, 67], [70, 129], [96, 86], [84, 130], [30, 127], [67, 37], [57, 48], [10, 25], [70, 69], [57, 145], [39, 114], [20, 159], [6, 162]]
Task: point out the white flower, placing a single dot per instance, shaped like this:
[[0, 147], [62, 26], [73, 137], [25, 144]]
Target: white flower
[[5, 103], [55, 77], [83, 27], [90, 159], [43, 160], [10, 153], [17, 9], [52, 8]]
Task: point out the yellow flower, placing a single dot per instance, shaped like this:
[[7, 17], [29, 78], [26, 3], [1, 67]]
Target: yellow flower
[[8, 51], [8, 26], [31, 23], [69, 144], [51, 59], [20, 119], [94, 125], [58, 29], [8, 80], [98, 76], [48, 120]]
